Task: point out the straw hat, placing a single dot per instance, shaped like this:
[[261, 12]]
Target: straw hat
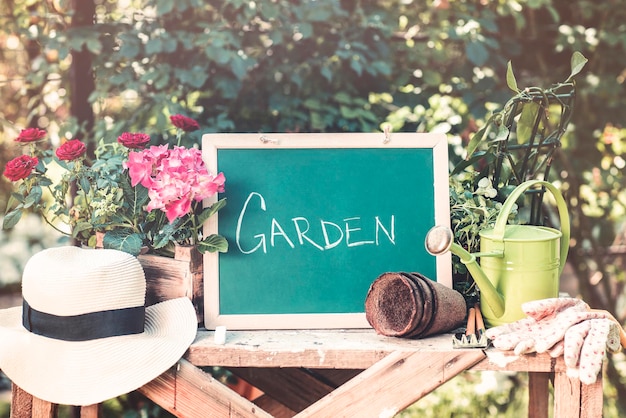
[[83, 335]]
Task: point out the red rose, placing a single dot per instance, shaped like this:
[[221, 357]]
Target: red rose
[[184, 123], [30, 135], [71, 150], [20, 167], [133, 140]]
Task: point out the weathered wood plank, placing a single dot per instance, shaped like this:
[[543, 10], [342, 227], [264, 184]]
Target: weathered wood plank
[[293, 387], [392, 384], [43, 409], [273, 407], [538, 391], [170, 278], [21, 403], [187, 391], [592, 399], [567, 396], [90, 411], [497, 360], [345, 349]]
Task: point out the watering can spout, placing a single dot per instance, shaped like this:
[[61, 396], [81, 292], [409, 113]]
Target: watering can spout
[[439, 240]]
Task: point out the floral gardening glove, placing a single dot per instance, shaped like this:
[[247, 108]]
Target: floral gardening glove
[[545, 326], [563, 326], [524, 335], [585, 346]]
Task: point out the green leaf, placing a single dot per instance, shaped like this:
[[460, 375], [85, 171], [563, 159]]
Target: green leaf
[[356, 65], [578, 62], [240, 67], [314, 104], [211, 210], [164, 236], [33, 197], [80, 227], [342, 97], [349, 113], [317, 121], [306, 29], [526, 122], [84, 184], [169, 45], [477, 53], [510, 78], [164, 6], [466, 163], [213, 243], [326, 72], [154, 46], [123, 240], [11, 219], [502, 134], [15, 199], [136, 197], [130, 46], [476, 140], [94, 46]]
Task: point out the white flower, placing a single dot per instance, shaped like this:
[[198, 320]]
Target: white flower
[[486, 189]]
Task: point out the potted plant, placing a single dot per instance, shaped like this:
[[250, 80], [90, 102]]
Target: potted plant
[[515, 144], [142, 198]]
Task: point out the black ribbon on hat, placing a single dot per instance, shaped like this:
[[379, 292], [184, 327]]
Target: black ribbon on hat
[[84, 327]]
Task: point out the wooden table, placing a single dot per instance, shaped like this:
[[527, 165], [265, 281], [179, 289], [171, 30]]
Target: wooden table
[[348, 373]]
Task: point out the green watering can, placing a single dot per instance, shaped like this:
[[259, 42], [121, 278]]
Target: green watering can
[[518, 263]]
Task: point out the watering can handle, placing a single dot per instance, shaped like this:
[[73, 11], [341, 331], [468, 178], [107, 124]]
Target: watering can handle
[[498, 231]]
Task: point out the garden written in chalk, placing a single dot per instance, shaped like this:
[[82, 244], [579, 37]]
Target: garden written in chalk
[[349, 232]]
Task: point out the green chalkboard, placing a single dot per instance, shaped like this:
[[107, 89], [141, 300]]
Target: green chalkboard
[[313, 219]]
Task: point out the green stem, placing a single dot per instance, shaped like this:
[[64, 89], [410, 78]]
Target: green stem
[[52, 225], [194, 226], [179, 136]]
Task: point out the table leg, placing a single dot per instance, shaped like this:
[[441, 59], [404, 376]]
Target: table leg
[[21, 403], [43, 409], [90, 411], [538, 394], [574, 399], [592, 399]]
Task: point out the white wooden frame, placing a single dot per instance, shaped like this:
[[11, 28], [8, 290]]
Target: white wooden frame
[[211, 143]]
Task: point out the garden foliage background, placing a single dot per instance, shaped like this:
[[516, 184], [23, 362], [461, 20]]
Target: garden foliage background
[[92, 69]]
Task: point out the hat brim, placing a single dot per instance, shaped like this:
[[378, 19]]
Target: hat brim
[[89, 372]]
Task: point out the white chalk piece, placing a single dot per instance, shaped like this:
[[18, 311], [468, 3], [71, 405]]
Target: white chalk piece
[[220, 335]]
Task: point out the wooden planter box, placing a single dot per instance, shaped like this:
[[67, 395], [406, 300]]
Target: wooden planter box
[[170, 278]]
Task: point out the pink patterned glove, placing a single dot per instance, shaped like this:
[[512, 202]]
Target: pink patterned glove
[[563, 326], [585, 346], [541, 330], [545, 326]]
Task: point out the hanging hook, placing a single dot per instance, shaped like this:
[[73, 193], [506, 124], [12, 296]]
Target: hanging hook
[[387, 132]]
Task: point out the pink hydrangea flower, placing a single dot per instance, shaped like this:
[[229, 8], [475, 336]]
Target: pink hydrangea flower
[[174, 178], [141, 165]]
